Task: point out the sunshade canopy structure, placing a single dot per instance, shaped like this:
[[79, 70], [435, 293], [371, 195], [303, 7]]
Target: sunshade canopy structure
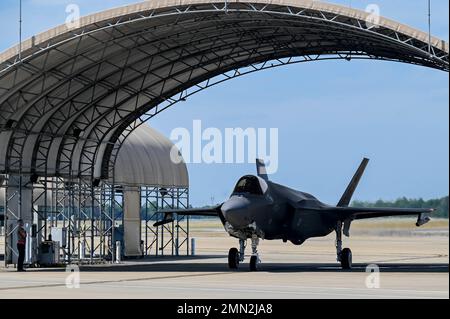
[[145, 160], [76, 92]]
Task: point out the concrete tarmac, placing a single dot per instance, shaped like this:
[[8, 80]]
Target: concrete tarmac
[[410, 267]]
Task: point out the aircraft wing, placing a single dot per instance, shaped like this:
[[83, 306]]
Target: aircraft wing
[[348, 214], [365, 213], [168, 213]]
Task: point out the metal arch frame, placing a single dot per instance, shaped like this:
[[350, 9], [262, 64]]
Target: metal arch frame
[[78, 92], [107, 75], [153, 15], [290, 10], [56, 111], [92, 153], [254, 9], [104, 59], [109, 124], [183, 96], [161, 80], [174, 99]]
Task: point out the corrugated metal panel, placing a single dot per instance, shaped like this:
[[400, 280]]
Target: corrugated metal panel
[[158, 4]]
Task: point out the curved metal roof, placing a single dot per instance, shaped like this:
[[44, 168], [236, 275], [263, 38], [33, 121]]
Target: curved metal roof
[[144, 160], [161, 4], [75, 92]]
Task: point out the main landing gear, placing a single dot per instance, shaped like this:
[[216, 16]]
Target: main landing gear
[[344, 256], [235, 256]]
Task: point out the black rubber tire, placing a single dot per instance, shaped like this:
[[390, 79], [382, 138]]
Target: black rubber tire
[[254, 263], [233, 258], [346, 259]]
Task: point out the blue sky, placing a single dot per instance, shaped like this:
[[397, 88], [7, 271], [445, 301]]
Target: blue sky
[[329, 114]]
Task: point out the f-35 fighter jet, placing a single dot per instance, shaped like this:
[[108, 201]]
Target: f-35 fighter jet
[[261, 209]]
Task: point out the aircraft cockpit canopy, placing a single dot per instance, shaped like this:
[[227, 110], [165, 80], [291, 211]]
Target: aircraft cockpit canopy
[[249, 185]]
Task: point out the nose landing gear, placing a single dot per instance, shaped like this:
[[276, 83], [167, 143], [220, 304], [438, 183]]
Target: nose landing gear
[[235, 256], [254, 260]]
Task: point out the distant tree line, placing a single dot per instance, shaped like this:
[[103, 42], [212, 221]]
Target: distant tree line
[[441, 204]]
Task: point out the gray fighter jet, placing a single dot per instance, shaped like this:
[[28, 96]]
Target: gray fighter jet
[[261, 209]]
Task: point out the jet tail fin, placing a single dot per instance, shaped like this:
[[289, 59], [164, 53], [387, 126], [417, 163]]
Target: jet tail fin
[[347, 196], [261, 169]]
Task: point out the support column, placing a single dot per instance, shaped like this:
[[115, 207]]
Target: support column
[[132, 221]]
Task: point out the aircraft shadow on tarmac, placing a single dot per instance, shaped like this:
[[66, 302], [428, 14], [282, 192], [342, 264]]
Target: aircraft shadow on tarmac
[[272, 268], [186, 264]]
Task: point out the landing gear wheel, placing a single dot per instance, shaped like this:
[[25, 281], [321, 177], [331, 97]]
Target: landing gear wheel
[[254, 263], [346, 259], [233, 258]]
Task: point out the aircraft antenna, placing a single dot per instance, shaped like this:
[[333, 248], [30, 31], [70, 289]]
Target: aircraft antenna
[[20, 30], [429, 27]]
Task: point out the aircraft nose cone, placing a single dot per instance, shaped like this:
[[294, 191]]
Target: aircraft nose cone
[[236, 211]]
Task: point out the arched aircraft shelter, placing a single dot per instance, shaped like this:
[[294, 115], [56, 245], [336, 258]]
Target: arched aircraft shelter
[[71, 98]]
